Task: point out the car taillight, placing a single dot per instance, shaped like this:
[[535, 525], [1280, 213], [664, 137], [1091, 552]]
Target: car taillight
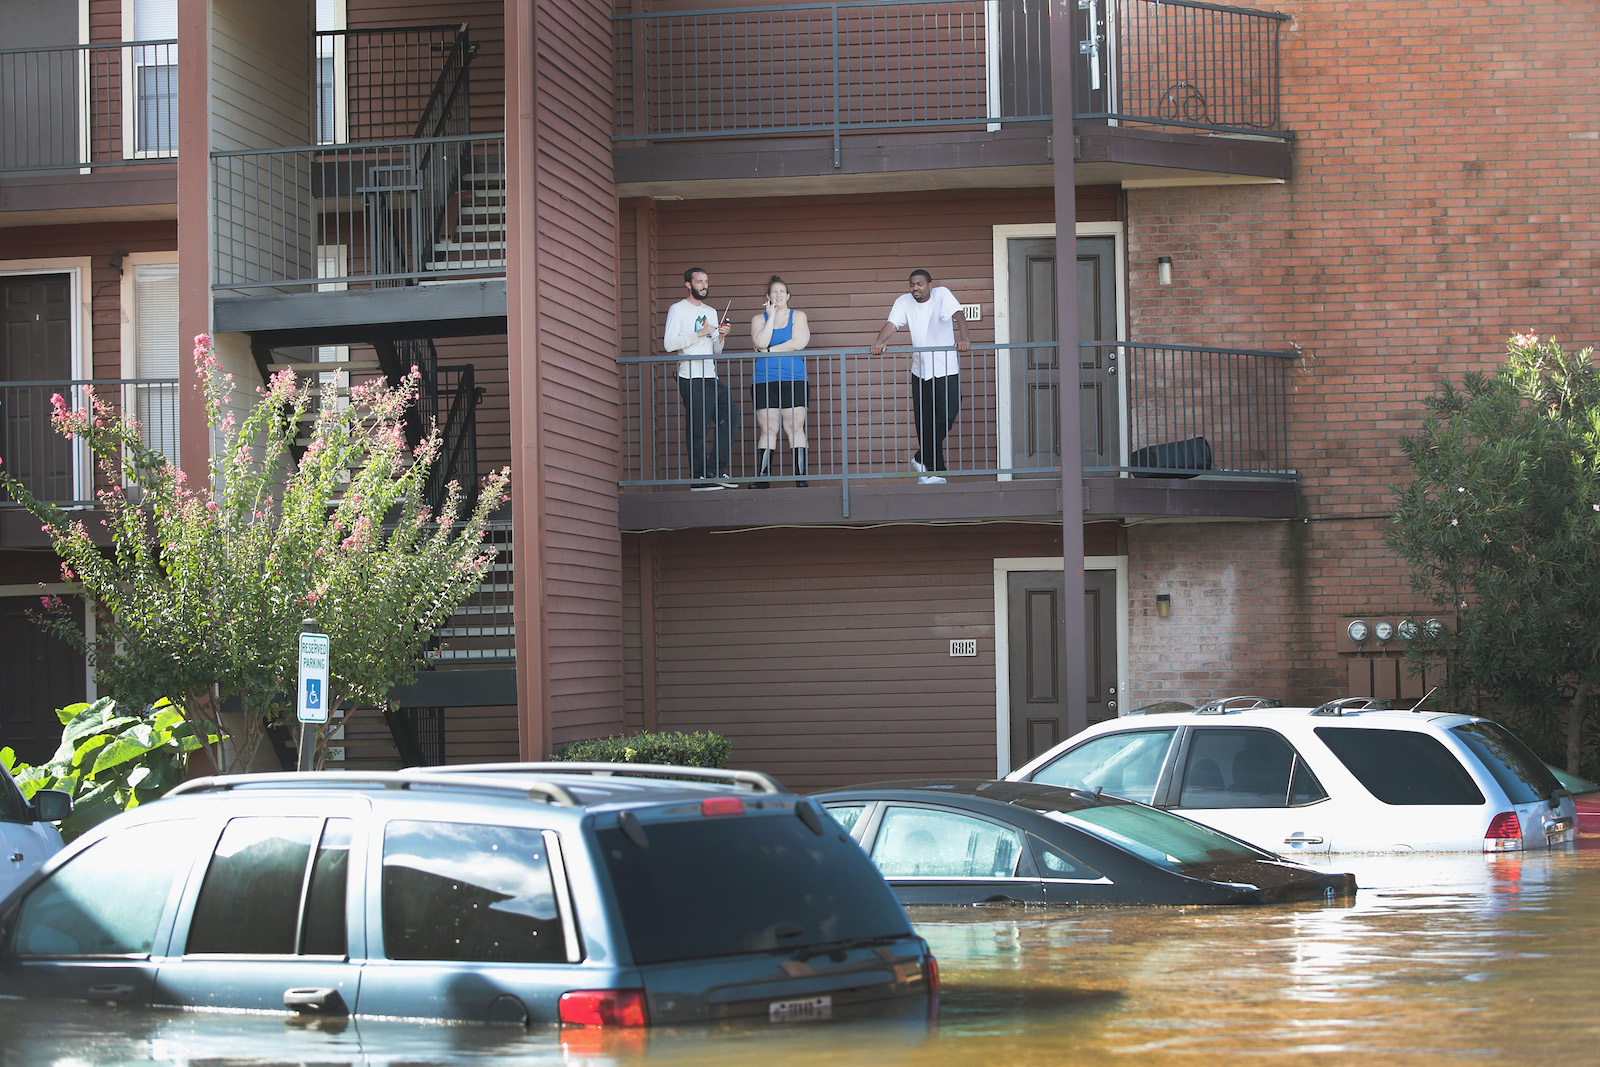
[[1504, 834], [722, 806], [604, 1007], [931, 968]]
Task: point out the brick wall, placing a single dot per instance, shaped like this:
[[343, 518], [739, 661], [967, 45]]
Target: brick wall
[[1443, 198]]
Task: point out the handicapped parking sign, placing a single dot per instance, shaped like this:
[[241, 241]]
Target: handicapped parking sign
[[312, 705]]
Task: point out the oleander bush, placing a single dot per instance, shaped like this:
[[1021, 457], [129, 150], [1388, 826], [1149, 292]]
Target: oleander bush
[[677, 749]]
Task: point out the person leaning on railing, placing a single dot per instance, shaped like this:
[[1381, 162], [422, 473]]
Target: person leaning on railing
[[780, 381], [934, 317], [693, 329]]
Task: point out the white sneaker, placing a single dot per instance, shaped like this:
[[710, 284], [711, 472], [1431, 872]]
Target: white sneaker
[[919, 466], [931, 479], [702, 487]]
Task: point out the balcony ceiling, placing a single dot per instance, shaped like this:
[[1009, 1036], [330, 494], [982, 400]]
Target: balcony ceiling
[[110, 194]]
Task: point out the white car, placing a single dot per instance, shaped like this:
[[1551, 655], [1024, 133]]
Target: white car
[[27, 836], [1347, 776]]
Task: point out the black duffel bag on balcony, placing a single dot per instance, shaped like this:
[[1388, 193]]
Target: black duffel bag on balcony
[[1191, 455]]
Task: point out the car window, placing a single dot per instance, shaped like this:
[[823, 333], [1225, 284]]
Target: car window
[[1520, 773], [460, 891], [251, 901], [108, 899], [1168, 840], [1055, 863], [925, 842], [1238, 767], [1402, 767], [846, 814], [708, 887], [1122, 764], [11, 809]]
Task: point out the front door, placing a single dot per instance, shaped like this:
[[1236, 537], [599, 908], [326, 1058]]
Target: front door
[[1037, 674], [35, 346], [45, 673], [1036, 372]]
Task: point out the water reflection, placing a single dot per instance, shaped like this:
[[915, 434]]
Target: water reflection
[[1488, 957]]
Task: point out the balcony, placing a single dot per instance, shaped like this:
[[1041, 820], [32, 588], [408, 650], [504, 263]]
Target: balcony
[[798, 93], [1167, 431], [62, 472]]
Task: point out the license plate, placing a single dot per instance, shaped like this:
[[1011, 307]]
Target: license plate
[[801, 1010]]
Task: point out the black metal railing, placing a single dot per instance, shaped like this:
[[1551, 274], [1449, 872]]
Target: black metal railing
[[379, 84], [1143, 408], [483, 629], [61, 471], [880, 64], [457, 396], [92, 105]]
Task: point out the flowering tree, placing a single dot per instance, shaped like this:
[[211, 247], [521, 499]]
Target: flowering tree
[[201, 595], [1501, 526]]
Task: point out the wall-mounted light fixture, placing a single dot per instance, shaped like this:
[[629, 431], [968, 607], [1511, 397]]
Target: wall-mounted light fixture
[[1164, 270], [116, 260], [1164, 605]]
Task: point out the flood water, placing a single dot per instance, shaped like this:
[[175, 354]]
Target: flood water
[[1478, 959]]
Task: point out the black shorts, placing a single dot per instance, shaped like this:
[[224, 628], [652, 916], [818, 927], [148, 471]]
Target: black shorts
[[779, 394]]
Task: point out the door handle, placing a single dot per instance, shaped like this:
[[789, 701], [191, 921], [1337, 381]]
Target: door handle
[[109, 994], [323, 1001], [16, 857], [1302, 839]]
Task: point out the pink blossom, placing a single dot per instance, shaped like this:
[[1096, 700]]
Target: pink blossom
[[58, 403], [211, 505], [66, 573]]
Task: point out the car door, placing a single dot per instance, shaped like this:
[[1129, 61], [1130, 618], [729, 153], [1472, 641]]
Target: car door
[[1251, 782], [931, 854], [267, 928], [1126, 763], [24, 844], [93, 928]]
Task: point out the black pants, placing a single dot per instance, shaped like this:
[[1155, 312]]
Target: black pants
[[935, 402], [706, 400]]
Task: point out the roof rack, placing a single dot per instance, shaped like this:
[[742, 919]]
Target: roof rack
[[545, 792], [755, 780], [1223, 705], [1163, 707], [1344, 704]]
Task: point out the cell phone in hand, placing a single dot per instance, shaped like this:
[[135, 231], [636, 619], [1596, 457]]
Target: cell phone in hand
[[725, 320]]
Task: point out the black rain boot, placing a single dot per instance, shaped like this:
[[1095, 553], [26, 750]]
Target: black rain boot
[[763, 468], [800, 468]]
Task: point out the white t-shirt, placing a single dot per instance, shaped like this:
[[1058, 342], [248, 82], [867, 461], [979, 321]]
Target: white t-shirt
[[931, 323], [683, 319]]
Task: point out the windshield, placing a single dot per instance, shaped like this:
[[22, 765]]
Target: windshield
[[1167, 840], [1519, 772], [723, 886]]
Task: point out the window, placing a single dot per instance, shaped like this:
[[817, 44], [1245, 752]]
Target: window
[[1401, 767], [1123, 764], [928, 843], [108, 899], [332, 91], [847, 814], [1054, 863], [155, 356], [11, 809], [1162, 838], [1240, 768], [708, 887], [251, 901], [457, 891], [1519, 772], [155, 78]]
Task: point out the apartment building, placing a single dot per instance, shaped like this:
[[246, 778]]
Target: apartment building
[[1286, 226]]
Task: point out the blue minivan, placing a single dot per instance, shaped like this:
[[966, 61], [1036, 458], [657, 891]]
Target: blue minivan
[[579, 894]]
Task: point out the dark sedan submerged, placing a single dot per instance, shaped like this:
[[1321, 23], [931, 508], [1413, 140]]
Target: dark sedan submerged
[[966, 841]]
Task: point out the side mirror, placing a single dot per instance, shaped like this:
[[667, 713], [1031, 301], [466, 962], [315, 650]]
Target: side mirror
[[51, 805]]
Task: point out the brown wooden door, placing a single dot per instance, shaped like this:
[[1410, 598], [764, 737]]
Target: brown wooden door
[[1036, 372], [35, 346], [46, 673], [1037, 671]]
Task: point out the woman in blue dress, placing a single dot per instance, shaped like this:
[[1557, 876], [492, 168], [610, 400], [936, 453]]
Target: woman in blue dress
[[780, 381]]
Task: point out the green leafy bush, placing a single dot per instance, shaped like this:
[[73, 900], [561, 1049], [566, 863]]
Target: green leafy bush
[[110, 761], [677, 749]]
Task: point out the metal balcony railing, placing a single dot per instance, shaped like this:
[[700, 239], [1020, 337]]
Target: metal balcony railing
[[379, 84], [60, 471], [1148, 410], [92, 105], [879, 64]]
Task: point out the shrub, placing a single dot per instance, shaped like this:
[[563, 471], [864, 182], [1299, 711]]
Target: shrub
[[678, 749]]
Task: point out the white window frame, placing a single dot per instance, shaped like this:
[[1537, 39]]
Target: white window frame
[[130, 325], [131, 109], [338, 19], [80, 268], [1002, 638], [1003, 235]]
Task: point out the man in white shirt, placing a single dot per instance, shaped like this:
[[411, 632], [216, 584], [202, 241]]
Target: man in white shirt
[[693, 330], [933, 316]]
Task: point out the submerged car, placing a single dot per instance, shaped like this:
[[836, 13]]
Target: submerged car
[[963, 841], [1346, 776], [580, 894], [27, 836]]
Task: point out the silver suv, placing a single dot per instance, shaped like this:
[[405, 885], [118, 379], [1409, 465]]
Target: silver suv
[[580, 894]]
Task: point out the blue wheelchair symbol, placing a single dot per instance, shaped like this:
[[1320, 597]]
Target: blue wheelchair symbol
[[313, 694]]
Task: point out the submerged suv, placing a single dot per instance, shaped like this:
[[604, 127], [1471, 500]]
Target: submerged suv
[[584, 894], [1347, 776]]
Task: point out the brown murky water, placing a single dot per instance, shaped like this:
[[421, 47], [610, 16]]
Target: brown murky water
[[1487, 960]]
